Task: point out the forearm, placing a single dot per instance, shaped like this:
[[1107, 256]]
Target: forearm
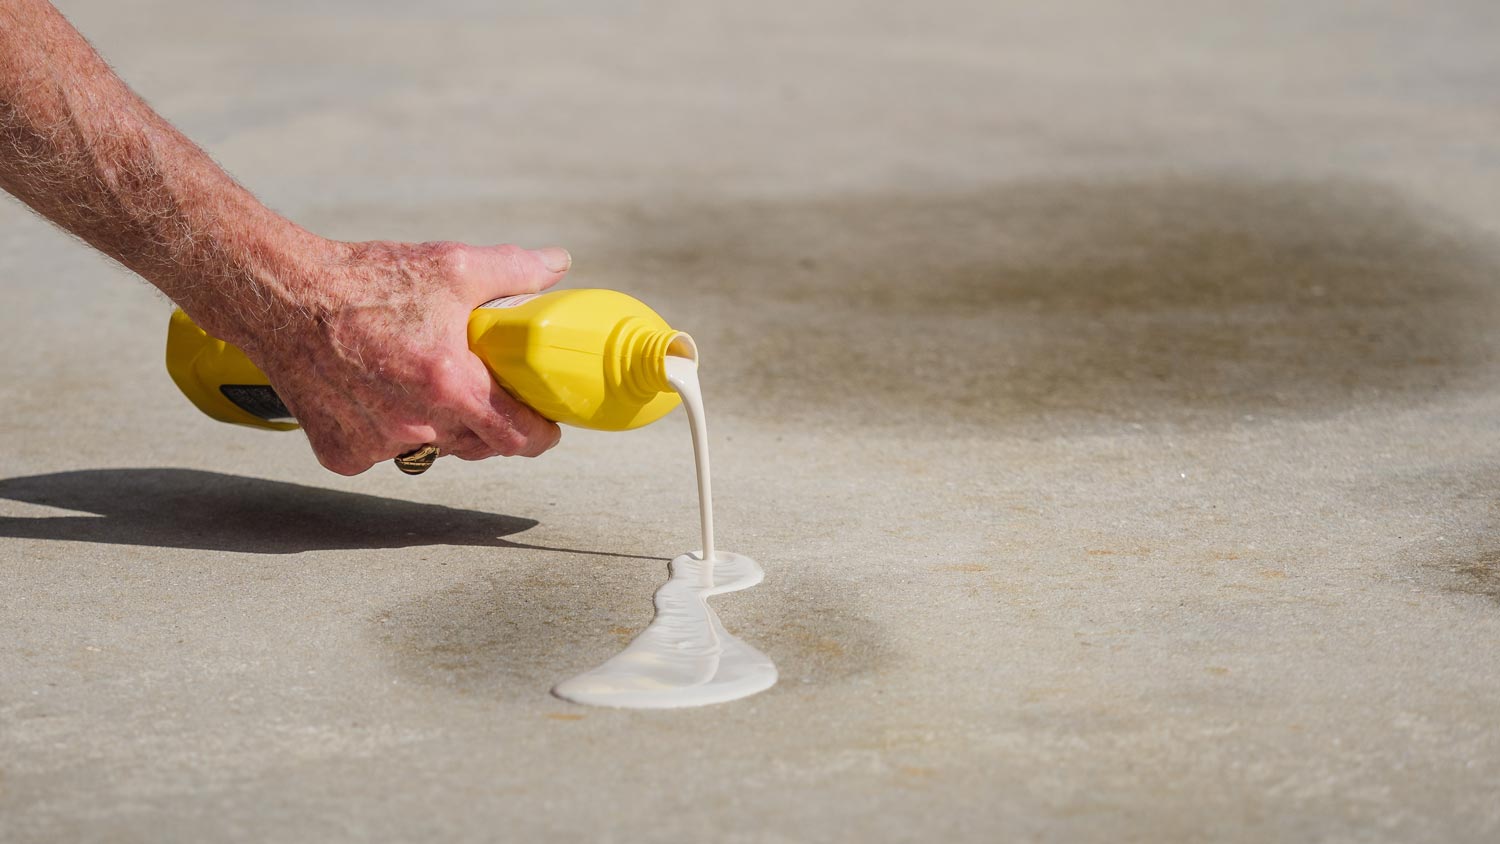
[[367, 343], [83, 150]]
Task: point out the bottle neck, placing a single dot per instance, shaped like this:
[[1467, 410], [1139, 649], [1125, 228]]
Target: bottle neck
[[642, 356]]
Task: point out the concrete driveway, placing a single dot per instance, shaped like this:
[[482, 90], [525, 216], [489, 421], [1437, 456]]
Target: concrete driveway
[[1108, 389]]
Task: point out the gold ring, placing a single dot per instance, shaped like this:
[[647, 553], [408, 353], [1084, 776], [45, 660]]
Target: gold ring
[[419, 460]]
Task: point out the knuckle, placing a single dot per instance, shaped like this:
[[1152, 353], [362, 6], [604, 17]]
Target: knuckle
[[451, 257], [508, 251], [438, 373], [343, 464], [337, 448], [540, 445], [471, 451], [516, 263], [510, 443], [404, 432]]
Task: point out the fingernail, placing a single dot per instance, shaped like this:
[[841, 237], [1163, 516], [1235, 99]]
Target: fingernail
[[555, 258]]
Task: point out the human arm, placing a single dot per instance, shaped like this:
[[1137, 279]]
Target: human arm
[[364, 342]]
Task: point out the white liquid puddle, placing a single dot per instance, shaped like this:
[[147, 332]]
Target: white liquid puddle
[[685, 657]]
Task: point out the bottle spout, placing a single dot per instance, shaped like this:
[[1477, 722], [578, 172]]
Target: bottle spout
[[682, 346]]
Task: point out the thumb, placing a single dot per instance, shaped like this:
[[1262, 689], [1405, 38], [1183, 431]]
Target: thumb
[[495, 271]]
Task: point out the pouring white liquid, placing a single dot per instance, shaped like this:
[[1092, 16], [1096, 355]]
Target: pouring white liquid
[[685, 657], [682, 374]]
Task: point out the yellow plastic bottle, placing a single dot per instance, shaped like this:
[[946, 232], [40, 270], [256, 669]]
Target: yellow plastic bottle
[[590, 358]]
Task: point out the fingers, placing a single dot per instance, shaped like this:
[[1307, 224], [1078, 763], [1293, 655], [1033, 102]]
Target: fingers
[[350, 449], [506, 438], [343, 455], [506, 425], [490, 272], [466, 445], [473, 419]]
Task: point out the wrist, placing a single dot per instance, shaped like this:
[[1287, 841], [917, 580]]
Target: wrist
[[264, 276]]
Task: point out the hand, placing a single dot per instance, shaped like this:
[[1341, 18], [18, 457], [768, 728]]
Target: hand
[[373, 357], [366, 343]]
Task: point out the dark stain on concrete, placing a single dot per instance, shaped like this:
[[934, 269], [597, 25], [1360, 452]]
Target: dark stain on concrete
[[1477, 574], [1190, 301], [510, 632], [1194, 300], [516, 632], [1465, 558], [1481, 576]]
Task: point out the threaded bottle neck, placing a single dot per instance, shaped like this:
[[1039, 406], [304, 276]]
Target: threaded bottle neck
[[643, 362]]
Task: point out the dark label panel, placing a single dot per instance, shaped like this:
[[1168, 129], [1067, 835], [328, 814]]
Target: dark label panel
[[257, 400]]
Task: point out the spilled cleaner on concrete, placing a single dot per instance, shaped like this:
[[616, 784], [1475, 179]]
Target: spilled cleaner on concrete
[[685, 657]]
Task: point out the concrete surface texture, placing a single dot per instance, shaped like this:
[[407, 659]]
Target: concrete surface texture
[[1109, 390]]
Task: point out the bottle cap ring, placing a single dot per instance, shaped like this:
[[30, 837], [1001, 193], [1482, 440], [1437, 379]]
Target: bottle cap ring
[[417, 461]]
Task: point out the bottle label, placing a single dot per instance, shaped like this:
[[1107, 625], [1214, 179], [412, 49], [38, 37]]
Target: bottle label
[[510, 301], [257, 400]]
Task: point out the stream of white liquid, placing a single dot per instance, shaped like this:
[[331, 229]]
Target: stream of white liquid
[[685, 657]]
